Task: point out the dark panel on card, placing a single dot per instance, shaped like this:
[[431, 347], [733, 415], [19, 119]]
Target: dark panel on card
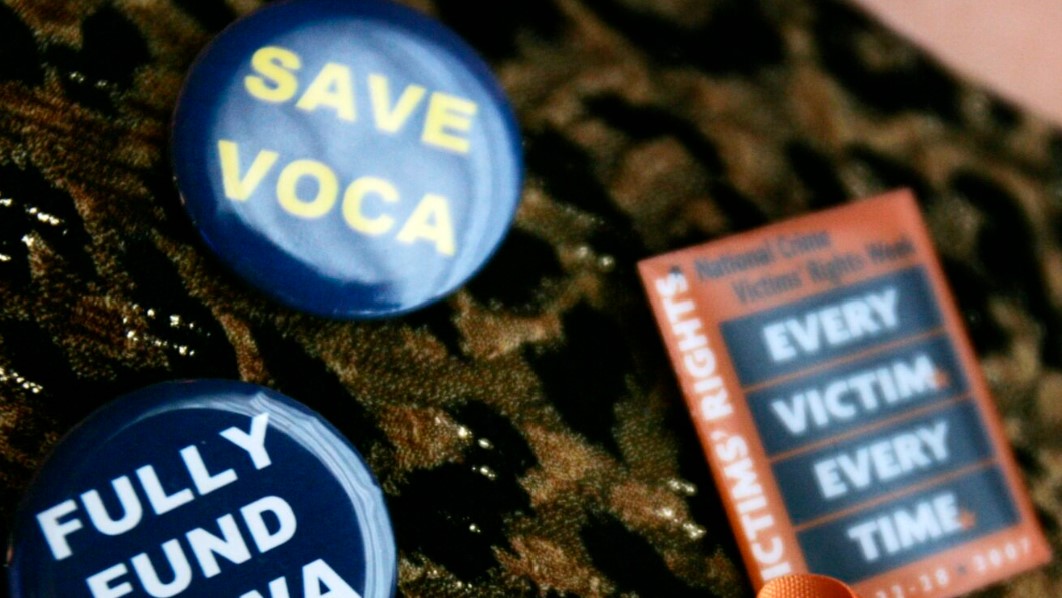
[[853, 548], [797, 412], [845, 474], [834, 324]]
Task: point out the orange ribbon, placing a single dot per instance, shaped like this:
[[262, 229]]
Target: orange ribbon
[[806, 585]]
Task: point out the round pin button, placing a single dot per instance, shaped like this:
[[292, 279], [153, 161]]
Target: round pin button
[[350, 159], [205, 488]]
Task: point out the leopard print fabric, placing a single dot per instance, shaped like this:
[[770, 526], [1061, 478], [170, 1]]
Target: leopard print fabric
[[527, 431]]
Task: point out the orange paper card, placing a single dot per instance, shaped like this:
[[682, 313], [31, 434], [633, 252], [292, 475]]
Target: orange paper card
[[841, 407]]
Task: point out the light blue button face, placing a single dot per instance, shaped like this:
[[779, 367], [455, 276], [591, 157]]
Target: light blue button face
[[206, 488], [350, 159]]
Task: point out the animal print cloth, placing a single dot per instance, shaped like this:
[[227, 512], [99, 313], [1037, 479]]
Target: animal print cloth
[[528, 431]]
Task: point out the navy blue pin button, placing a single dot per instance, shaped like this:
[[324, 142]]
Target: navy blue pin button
[[206, 488], [350, 159]]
